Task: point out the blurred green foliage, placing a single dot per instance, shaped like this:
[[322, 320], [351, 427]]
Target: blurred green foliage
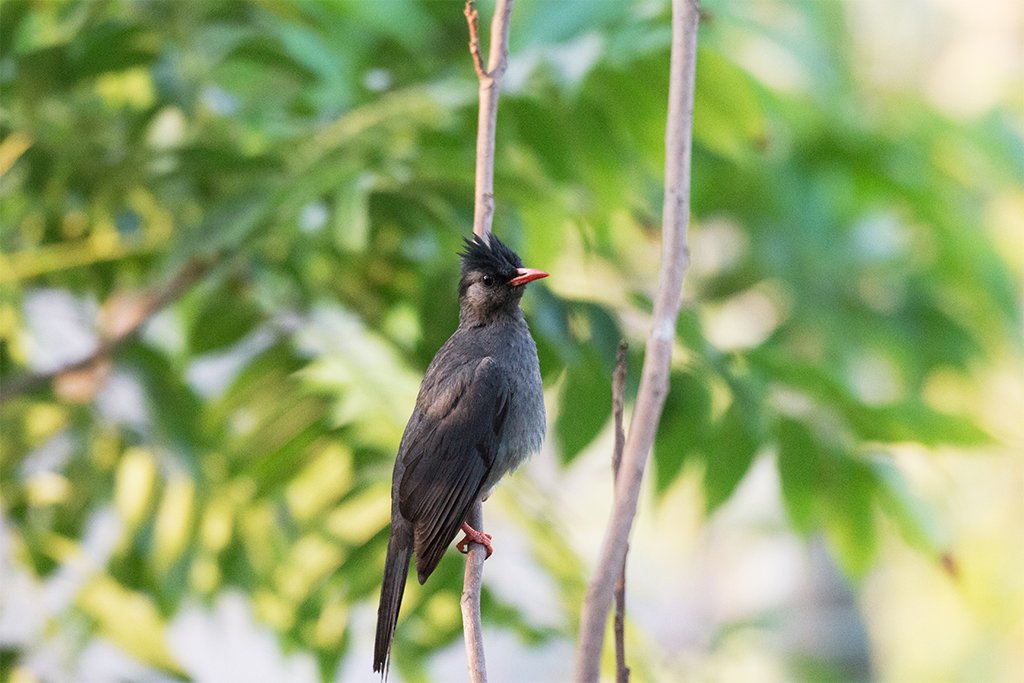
[[320, 156]]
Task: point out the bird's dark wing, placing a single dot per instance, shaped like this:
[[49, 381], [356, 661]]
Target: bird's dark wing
[[449, 457]]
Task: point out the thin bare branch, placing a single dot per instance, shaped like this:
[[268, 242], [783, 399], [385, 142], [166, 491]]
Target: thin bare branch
[[472, 18], [153, 302], [487, 121], [472, 627], [658, 352], [483, 217], [618, 393]]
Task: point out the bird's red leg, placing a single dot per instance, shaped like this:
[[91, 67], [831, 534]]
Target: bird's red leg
[[474, 536]]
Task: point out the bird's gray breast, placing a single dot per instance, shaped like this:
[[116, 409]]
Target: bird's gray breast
[[524, 427]]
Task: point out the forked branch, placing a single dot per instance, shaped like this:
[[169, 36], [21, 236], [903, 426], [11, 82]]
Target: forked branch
[[487, 121], [658, 352], [483, 217]]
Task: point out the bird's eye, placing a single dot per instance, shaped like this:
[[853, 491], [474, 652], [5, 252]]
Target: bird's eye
[[488, 280]]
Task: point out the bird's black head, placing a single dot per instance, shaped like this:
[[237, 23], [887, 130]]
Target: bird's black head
[[492, 280]]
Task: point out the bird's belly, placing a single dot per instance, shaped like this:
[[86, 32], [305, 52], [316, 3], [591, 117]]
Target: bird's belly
[[523, 435]]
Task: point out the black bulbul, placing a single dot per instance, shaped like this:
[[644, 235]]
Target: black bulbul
[[479, 414]]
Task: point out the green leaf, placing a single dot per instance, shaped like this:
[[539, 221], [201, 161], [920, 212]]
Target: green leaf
[[730, 452], [223, 320], [113, 46], [542, 23], [827, 488], [584, 406], [439, 313], [352, 216], [229, 224], [683, 428], [910, 420], [727, 113], [175, 409], [219, 161], [800, 462], [129, 619], [14, 13], [270, 55], [603, 333], [549, 322], [917, 520], [848, 514], [915, 421]]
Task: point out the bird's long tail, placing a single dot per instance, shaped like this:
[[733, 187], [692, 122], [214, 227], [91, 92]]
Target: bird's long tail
[[396, 569]]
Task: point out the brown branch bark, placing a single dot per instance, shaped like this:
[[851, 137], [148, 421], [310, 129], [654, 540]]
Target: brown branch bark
[[473, 19], [618, 393], [658, 351], [154, 301], [483, 217]]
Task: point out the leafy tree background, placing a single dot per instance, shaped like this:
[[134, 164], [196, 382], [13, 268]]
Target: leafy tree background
[[848, 382]]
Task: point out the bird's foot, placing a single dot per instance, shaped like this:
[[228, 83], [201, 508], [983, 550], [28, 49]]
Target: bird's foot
[[474, 536]]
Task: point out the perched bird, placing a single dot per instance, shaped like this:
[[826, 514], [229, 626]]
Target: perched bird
[[479, 414]]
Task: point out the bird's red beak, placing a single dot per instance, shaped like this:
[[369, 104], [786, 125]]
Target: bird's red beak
[[526, 275]]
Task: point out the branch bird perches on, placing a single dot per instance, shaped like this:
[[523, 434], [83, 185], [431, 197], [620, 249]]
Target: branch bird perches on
[[483, 217]]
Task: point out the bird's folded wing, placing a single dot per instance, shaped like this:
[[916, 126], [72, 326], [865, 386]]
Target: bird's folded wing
[[450, 457]]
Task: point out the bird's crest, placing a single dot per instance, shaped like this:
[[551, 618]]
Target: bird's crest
[[489, 255]]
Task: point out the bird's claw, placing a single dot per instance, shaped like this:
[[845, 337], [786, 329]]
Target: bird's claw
[[474, 536]]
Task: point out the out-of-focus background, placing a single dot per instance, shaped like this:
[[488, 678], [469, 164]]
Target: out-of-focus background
[[272, 194]]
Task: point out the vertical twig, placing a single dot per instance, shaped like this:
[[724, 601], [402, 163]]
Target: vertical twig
[[483, 216], [658, 352], [487, 122], [472, 627], [618, 392]]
